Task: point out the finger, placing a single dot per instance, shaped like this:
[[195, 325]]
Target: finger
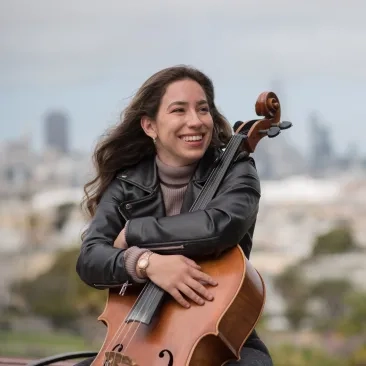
[[199, 275], [191, 262], [179, 298], [186, 290], [120, 242], [199, 288]]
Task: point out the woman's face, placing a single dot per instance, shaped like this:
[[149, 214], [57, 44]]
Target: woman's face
[[183, 126]]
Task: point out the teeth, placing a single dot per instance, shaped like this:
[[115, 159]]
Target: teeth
[[192, 138]]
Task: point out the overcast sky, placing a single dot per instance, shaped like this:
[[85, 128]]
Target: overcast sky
[[88, 57]]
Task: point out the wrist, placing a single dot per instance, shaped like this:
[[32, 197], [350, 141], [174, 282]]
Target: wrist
[[131, 256], [143, 264]]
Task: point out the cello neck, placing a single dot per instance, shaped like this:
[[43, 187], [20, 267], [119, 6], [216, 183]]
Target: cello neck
[[218, 173]]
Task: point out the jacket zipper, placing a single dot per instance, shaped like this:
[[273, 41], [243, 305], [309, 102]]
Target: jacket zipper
[[110, 286], [122, 285], [124, 288]]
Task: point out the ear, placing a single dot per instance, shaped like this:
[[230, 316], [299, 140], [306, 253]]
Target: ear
[[148, 125]]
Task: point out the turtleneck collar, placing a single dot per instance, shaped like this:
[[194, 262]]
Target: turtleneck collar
[[174, 176]]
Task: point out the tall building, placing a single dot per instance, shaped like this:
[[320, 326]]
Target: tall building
[[56, 130], [321, 153]]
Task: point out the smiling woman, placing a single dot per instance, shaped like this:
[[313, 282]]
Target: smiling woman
[[182, 129], [150, 170]]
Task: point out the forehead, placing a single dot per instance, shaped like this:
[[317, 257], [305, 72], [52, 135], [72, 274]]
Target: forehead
[[184, 90]]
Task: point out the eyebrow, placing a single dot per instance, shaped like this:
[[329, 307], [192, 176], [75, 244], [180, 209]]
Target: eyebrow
[[180, 102]]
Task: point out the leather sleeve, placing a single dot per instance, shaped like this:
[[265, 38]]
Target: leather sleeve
[[209, 232], [99, 264]]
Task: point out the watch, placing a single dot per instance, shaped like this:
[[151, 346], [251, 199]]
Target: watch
[[143, 262]]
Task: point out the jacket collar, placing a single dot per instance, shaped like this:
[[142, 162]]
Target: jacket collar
[[145, 174]]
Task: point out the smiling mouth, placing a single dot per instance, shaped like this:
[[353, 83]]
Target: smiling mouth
[[192, 138]]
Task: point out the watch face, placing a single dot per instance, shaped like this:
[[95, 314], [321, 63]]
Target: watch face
[[143, 263]]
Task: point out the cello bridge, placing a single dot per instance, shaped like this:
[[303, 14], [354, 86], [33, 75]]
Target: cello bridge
[[118, 359]]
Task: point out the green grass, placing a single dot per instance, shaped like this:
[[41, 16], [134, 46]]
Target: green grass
[[19, 344]]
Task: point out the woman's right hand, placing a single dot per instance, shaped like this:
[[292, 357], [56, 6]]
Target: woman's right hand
[[179, 275]]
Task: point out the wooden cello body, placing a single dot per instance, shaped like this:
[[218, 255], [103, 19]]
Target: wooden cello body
[[144, 328], [199, 336]]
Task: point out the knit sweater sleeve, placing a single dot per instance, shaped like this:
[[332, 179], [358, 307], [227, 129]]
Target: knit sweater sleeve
[[130, 255]]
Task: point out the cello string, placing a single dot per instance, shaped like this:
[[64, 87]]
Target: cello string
[[138, 322], [205, 197], [124, 323], [149, 299], [129, 326], [227, 157]]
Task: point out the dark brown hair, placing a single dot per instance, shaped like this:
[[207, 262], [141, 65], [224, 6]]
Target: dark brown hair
[[126, 144]]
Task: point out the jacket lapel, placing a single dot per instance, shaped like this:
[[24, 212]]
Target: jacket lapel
[[147, 200], [150, 201]]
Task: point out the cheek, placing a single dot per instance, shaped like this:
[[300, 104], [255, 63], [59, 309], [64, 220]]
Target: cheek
[[210, 126]]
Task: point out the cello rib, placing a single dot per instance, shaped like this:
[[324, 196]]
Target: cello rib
[[207, 335]]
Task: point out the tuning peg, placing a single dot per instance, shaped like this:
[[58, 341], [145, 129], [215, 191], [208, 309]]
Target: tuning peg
[[284, 125], [273, 132], [237, 125]]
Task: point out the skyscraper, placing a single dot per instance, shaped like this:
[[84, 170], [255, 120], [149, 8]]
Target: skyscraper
[[57, 131], [321, 153]]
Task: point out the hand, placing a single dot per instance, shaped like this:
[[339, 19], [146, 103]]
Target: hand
[[179, 275], [120, 241]]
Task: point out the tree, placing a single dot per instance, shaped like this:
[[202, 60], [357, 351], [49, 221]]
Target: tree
[[331, 294], [354, 320], [59, 294], [294, 290], [338, 240]]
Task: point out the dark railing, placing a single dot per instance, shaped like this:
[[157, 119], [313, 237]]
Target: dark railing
[[62, 357]]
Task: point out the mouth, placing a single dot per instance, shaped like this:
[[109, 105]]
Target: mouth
[[192, 138]]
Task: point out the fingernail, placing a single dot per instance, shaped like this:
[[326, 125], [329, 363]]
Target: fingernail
[[210, 297]]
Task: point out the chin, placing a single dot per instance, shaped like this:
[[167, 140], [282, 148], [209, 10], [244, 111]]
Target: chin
[[192, 156]]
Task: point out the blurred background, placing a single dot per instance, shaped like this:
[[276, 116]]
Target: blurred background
[[67, 70]]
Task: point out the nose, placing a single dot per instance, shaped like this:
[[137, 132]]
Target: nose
[[194, 120]]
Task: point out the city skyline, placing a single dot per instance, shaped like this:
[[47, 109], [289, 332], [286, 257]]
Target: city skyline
[[89, 58]]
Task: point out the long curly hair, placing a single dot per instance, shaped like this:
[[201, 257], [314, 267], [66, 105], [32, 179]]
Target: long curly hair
[[126, 143]]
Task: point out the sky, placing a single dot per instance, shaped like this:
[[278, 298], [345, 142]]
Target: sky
[[88, 57]]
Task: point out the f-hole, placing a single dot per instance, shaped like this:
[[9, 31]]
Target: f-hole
[[170, 355], [118, 347]]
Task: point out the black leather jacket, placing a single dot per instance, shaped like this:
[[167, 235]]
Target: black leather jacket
[[135, 196]]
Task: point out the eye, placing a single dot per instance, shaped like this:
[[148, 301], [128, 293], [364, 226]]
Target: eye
[[204, 109], [178, 110]]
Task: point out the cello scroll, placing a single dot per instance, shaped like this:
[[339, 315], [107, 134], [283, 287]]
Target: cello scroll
[[268, 106]]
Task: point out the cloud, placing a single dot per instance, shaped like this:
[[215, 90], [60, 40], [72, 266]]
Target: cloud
[[73, 42]]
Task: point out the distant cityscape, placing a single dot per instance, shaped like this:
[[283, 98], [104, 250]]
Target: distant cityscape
[[24, 171]]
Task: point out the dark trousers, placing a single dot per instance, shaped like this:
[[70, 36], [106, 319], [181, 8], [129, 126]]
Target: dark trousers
[[252, 357], [249, 357]]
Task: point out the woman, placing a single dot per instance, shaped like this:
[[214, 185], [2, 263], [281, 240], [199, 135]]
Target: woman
[[150, 169]]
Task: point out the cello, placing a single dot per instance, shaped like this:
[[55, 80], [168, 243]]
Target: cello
[[147, 328]]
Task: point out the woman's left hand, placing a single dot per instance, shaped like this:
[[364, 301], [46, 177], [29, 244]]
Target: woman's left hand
[[120, 241]]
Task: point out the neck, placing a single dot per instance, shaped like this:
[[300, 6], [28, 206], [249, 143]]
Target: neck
[[172, 175], [173, 184]]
